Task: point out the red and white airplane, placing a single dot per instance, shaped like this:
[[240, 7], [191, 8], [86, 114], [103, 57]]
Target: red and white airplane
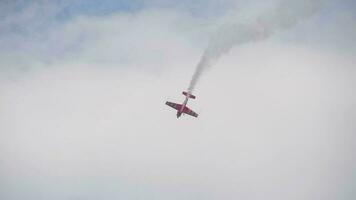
[[182, 108]]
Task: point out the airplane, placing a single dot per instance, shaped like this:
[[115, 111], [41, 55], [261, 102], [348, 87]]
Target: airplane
[[182, 108]]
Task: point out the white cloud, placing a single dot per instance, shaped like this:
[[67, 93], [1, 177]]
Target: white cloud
[[276, 120], [280, 123]]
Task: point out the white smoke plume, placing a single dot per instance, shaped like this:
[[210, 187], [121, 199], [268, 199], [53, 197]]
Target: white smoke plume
[[287, 14]]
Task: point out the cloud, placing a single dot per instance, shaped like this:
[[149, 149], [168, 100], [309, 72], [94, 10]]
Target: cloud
[[86, 119], [110, 41], [280, 124]]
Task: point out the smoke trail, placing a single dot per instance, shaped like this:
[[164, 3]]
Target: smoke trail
[[287, 14]]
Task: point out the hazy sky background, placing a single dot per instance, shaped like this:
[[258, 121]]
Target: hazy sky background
[[83, 86]]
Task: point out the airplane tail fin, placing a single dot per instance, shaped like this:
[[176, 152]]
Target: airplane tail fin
[[188, 95]]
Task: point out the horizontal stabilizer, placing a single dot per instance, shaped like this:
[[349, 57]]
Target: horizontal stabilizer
[[188, 95]]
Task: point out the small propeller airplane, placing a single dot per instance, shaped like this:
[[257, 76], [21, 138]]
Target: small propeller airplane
[[182, 108]]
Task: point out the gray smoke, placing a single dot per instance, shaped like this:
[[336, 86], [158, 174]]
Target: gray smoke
[[287, 14]]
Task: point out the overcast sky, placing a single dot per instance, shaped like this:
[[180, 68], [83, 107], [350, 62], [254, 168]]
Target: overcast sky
[[83, 86]]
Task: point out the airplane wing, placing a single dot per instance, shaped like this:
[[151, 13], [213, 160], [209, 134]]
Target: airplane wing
[[190, 112], [174, 105]]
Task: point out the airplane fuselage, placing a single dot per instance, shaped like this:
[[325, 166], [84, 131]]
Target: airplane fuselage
[[184, 104]]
